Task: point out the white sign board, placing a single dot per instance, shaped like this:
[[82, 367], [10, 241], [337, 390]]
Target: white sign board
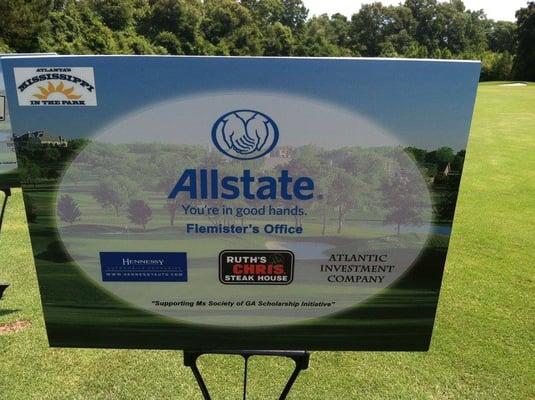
[[240, 203]]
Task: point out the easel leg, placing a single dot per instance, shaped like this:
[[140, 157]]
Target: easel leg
[[245, 378], [7, 193], [301, 364], [190, 360], [301, 359]]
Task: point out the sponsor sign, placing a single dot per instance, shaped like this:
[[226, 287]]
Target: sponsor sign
[[256, 267], [56, 86], [241, 203], [144, 267]]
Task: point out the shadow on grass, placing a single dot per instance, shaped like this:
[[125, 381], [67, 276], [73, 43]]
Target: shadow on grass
[[55, 252], [7, 312]]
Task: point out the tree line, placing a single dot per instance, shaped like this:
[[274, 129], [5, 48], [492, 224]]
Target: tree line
[[123, 178], [412, 29]]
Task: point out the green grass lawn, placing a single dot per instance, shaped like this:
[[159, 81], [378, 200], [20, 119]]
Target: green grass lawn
[[484, 337]]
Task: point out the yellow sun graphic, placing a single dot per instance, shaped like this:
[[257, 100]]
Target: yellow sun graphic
[[60, 88]]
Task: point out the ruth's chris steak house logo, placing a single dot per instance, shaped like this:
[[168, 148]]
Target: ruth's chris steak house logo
[[56, 86], [256, 267]]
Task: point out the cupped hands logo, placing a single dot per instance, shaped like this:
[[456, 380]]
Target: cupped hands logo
[[245, 134]]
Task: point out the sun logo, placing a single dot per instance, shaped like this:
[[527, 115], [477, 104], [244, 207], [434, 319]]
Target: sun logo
[[60, 88]]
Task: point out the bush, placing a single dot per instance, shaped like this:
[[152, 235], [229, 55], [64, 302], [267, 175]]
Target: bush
[[496, 66]]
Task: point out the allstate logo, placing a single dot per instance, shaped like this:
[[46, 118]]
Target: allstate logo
[[245, 134]]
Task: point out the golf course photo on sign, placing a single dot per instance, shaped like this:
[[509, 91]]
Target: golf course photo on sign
[[9, 174], [220, 203]]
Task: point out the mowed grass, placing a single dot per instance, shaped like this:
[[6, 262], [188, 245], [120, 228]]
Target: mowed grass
[[484, 338]]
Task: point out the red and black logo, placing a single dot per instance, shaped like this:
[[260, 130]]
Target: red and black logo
[[256, 267]]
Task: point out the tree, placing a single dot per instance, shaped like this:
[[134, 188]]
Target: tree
[[116, 14], [180, 17], [129, 42], [315, 42], [75, 29], [21, 23], [139, 213], [525, 54], [458, 161], [402, 199], [321, 203], [413, 29], [424, 13], [266, 12], [51, 154], [343, 195], [68, 210], [290, 13], [31, 174], [417, 154], [169, 41], [172, 207], [114, 192], [31, 212], [77, 145], [400, 29], [231, 27], [294, 14], [108, 196], [368, 29], [278, 40], [52, 174], [340, 28], [501, 36], [496, 66], [4, 48], [448, 198], [74, 174], [447, 25], [445, 155]]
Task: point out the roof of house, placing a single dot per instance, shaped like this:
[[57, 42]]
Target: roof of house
[[42, 135]]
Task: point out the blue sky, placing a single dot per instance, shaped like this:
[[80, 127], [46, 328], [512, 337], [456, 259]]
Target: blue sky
[[495, 9], [423, 103]]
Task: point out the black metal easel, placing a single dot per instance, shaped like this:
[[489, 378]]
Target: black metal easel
[[7, 193], [301, 359]]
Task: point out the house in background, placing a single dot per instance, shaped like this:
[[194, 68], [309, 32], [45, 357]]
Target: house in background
[[444, 172], [6, 143], [40, 137]]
